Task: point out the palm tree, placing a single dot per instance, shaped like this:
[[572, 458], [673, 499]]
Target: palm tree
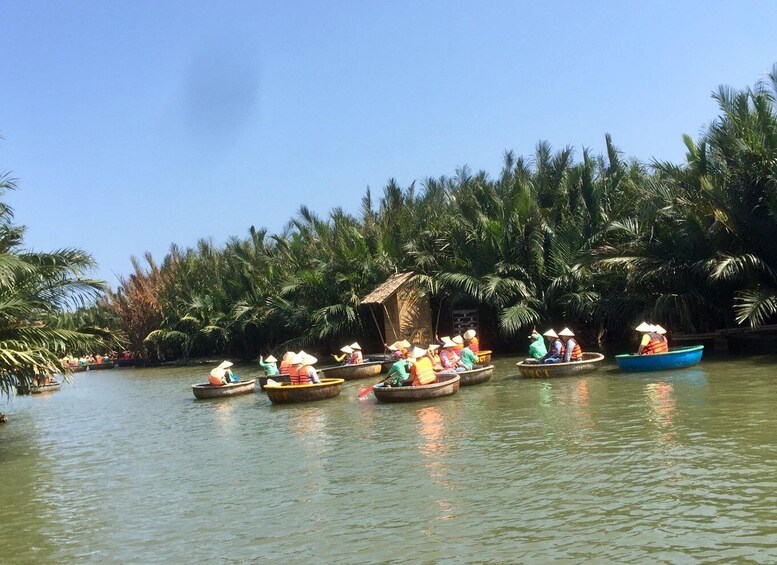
[[35, 288]]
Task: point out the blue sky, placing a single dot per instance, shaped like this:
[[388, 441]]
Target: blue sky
[[133, 125]]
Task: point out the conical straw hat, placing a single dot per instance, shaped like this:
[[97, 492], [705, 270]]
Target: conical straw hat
[[346, 349], [644, 327], [566, 332], [550, 333], [355, 345], [469, 334], [271, 359]]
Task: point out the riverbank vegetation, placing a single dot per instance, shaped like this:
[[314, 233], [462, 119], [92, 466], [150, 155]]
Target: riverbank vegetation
[[596, 242], [36, 291]]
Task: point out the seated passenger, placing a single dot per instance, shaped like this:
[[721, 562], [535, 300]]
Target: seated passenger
[[398, 374], [448, 358], [269, 365], [218, 376], [356, 357], [422, 371], [537, 349], [554, 348], [652, 341], [468, 359], [474, 342], [570, 350], [286, 363], [347, 352], [307, 373]]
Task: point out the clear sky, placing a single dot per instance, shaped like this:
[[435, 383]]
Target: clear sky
[[133, 125]]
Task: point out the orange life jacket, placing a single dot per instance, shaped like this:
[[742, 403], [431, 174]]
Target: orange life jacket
[[474, 345], [657, 344], [577, 353], [284, 369], [214, 381], [296, 377], [423, 372]]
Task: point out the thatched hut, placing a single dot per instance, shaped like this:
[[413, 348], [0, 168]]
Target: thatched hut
[[404, 306]]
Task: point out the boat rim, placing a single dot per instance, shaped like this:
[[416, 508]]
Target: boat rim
[[324, 381], [599, 357], [683, 349], [222, 387]]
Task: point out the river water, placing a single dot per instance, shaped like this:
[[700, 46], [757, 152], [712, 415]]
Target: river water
[[127, 467]]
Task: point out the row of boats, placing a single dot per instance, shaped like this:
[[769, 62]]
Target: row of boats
[[332, 378]]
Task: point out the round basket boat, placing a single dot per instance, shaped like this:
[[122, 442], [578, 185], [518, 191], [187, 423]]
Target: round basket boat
[[678, 358], [352, 372], [475, 376], [590, 362], [484, 358], [207, 390], [446, 385], [40, 389], [283, 393]]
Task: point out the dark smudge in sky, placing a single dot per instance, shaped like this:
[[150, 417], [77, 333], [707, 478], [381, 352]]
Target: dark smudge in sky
[[221, 91]]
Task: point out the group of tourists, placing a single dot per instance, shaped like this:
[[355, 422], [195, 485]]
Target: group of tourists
[[653, 339], [352, 354], [562, 347], [418, 366], [298, 366], [85, 360]]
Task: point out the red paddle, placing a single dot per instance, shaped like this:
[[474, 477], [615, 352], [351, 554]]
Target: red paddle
[[366, 391]]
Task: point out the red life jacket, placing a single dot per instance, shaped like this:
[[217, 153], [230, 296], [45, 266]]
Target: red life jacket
[[577, 353], [284, 369], [474, 345]]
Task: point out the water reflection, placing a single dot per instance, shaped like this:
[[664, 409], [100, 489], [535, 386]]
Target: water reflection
[[661, 402], [434, 447]]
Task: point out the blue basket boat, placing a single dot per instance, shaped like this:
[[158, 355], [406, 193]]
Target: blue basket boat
[[678, 358]]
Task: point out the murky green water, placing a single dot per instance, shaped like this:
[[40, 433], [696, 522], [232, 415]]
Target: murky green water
[[676, 467]]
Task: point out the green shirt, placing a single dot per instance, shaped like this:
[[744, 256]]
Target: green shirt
[[270, 369], [467, 358], [399, 370], [537, 348]]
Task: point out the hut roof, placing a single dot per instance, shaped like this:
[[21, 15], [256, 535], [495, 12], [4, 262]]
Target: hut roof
[[385, 290]]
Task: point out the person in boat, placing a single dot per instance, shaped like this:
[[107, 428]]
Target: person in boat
[[652, 341], [307, 372], [474, 342], [218, 376], [554, 347], [468, 358], [295, 365], [459, 344], [665, 342], [537, 349], [434, 357], [448, 358], [421, 371], [285, 368], [347, 352], [269, 365], [398, 374], [356, 357], [570, 350]]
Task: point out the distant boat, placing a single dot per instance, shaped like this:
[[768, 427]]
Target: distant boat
[[207, 390], [473, 377], [678, 358], [283, 393], [446, 385], [591, 362], [352, 372]]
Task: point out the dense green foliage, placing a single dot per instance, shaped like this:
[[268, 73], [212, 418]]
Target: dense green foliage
[[36, 291], [597, 243]]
